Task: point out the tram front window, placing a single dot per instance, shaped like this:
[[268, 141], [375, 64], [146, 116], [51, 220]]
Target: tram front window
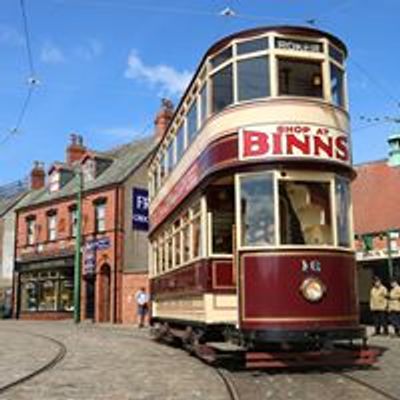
[[300, 78], [257, 210], [305, 213]]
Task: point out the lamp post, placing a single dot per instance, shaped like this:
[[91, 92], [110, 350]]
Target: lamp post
[[77, 261]]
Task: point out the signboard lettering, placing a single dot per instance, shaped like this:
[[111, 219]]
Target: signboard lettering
[[298, 45], [298, 141], [140, 209]]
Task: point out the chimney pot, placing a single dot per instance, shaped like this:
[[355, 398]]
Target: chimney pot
[[163, 118], [75, 150], [38, 176]]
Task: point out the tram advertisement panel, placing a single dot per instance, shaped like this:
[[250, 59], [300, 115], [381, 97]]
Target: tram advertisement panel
[[294, 141]]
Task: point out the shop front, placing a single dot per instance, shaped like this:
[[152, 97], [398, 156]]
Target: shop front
[[45, 289]]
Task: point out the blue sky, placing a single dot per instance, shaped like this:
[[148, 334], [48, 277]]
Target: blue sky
[[103, 66]]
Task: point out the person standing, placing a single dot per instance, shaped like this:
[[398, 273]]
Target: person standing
[[378, 305], [142, 300], [394, 306]]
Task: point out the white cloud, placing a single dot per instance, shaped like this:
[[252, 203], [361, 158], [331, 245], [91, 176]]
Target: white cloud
[[51, 54], [169, 80], [10, 36], [90, 50]]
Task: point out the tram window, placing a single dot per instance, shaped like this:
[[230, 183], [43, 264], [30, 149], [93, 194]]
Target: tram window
[[336, 54], [337, 90], [221, 57], [252, 46], [203, 100], [300, 78], [220, 202], [196, 224], [305, 213], [180, 143], [253, 78], [192, 122], [162, 168], [186, 238], [168, 252], [177, 243], [257, 210], [342, 193], [222, 89], [171, 158]]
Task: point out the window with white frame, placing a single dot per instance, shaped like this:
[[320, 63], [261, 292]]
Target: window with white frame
[[30, 230], [100, 217], [51, 226], [54, 181]]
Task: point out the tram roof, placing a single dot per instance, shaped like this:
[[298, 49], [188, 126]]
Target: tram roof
[[285, 29]]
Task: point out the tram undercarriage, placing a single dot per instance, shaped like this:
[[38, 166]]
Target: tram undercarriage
[[220, 343]]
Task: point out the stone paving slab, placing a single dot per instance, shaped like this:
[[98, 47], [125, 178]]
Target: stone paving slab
[[105, 364]]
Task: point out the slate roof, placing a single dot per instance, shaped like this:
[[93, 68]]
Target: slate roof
[[376, 197], [11, 194], [126, 159]]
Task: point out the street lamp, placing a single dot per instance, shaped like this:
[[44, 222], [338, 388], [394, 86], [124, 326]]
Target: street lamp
[[77, 261]]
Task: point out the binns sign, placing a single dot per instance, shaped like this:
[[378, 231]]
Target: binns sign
[[294, 141]]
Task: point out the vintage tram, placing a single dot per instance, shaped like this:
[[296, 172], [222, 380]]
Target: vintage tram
[[251, 234]]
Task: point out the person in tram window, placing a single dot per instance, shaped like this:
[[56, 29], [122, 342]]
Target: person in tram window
[[394, 306], [378, 305], [142, 300]]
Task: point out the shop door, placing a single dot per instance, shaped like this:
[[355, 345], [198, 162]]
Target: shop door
[[105, 276], [90, 297]]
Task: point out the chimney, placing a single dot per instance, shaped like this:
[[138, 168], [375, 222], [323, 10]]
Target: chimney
[[394, 150], [37, 176], [163, 118], [76, 149]]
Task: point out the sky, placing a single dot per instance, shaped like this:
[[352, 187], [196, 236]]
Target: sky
[[104, 65]]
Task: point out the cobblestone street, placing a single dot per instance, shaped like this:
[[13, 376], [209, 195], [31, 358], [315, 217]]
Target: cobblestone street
[[120, 362]]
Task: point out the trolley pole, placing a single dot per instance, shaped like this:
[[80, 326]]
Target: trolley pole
[[77, 261]]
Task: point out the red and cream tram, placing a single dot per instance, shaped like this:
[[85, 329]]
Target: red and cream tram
[[251, 229]]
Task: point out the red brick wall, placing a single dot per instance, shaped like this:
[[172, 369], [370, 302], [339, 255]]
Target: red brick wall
[[131, 283]]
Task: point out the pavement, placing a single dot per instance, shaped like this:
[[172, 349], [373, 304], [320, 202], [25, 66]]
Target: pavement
[[121, 362]]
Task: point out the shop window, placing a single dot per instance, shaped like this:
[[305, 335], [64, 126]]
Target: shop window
[[52, 227], [305, 213], [252, 46], [253, 78], [29, 296], [337, 86], [192, 122], [47, 296], [204, 103], [300, 78], [180, 143], [66, 295], [220, 202], [342, 193], [100, 217], [257, 210], [30, 230], [222, 89], [220, 58]]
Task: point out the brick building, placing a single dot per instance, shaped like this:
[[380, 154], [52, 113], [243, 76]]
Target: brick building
[[114, 248], [376, 199]]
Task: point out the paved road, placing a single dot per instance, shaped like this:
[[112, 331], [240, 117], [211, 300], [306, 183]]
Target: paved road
[[113, 362], [102, 363]]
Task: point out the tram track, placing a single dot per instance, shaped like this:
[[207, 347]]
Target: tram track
[[60, 355]]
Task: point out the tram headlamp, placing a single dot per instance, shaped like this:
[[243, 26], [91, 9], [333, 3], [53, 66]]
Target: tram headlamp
[[312, 289]]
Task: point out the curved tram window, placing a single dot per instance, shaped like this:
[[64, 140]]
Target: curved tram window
[[305, 213], [342, 192], [257, 210]]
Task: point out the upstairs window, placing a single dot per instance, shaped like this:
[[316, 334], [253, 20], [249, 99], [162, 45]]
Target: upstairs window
[[30, 230], [100, 217], [253, 78], [73, 221], [54, 183], [203, 101], [171, 158], [337, 86], [89, 170], [180, 143], [222, 89], [300, 78], [192, 122], [252, 46], [51, 226]]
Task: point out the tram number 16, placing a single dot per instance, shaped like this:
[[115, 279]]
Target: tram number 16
[[310, 266]]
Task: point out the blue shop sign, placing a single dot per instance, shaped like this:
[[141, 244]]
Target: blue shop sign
[[140, 209]]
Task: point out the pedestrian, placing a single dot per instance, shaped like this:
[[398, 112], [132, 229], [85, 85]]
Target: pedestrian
[[394, 306], [142, 300], [378, 305]]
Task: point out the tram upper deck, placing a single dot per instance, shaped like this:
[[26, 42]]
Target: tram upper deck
[[261, 95]]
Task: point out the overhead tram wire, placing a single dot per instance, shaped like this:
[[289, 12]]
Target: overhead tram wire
[[32, 81]]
